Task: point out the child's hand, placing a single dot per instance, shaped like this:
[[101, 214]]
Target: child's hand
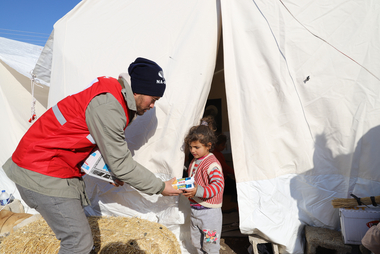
[[190, 193]]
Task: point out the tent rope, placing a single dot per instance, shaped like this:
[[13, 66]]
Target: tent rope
[[33, 106]]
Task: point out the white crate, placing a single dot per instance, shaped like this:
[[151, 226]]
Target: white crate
[[355, 222]]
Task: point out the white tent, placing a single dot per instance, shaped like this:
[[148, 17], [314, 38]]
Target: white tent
[[302, 86], [17, 60]]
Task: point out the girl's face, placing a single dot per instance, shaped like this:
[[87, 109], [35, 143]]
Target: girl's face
[[198, 150]]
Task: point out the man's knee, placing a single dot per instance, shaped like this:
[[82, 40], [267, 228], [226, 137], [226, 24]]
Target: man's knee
[[84, 246]]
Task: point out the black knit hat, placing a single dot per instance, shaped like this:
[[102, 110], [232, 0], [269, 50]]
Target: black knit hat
[[147, 77]]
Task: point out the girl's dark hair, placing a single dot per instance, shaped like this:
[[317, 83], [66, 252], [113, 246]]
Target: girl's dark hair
[[209, 121], [201, 133]]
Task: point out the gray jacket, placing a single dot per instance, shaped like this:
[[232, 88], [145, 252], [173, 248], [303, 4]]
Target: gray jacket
[[105, 120]]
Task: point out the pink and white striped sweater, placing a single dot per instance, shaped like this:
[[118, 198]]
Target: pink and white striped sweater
[[208, 174]]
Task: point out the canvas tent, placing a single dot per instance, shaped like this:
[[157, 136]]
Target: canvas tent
[[302, 86]]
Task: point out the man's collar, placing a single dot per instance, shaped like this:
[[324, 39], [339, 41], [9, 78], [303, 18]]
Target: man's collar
[[127, 91]]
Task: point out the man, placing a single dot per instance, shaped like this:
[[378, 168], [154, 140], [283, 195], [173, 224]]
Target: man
[[46, 164]]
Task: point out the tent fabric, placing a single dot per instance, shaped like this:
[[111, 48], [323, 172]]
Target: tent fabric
[[20, 59], [130, 32], [43, 65], [17, 60], [19, 56], [302, 82]]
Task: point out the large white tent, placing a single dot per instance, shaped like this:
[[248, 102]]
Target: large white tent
[[302, 82]]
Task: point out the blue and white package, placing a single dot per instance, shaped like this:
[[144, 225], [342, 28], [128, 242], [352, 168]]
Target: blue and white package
[[95, 166], [183, 183]]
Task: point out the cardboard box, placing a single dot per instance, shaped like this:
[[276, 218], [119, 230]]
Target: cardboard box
[[356, 221], [96, 167]]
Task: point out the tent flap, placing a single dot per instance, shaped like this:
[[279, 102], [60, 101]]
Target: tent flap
[[301, 104]]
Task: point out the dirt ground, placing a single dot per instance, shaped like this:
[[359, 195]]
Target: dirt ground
[[232, 245]]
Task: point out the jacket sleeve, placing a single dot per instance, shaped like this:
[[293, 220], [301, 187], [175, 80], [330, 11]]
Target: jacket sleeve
[[106, 120]]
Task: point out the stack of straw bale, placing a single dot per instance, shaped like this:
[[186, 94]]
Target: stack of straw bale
[[111, 235], [351, 202]]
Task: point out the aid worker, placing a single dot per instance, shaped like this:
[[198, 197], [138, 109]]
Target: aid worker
[[46, 163]]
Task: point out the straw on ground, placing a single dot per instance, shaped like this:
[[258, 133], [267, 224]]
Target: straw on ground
[[111, 235]]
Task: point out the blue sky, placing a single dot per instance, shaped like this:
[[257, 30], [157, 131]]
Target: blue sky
[[31, 21]]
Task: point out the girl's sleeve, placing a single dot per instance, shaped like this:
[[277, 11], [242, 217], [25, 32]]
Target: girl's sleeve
[[216, 184]]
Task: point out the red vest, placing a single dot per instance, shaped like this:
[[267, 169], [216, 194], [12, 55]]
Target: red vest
[[59, 141]]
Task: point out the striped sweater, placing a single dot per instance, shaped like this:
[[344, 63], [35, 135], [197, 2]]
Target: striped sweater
[[207, 173]]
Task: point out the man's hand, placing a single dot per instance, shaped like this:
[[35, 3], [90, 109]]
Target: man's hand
[[169, 190], [190, 193], [117, 183]]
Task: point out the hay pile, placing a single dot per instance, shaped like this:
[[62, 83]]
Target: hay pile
[[111, 235]]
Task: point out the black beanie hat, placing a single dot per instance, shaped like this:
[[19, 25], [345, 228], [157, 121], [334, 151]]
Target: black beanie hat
[[147, 77]]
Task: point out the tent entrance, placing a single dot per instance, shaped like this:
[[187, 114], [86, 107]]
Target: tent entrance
[[216, 106]]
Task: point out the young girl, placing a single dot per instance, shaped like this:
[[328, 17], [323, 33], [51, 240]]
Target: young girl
[[208, 121], [207, 195]]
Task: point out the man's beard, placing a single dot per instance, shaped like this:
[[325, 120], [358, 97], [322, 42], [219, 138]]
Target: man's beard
[[140, 111]]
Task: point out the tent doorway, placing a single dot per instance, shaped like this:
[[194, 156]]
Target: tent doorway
[[217, 107], [232, 240]]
